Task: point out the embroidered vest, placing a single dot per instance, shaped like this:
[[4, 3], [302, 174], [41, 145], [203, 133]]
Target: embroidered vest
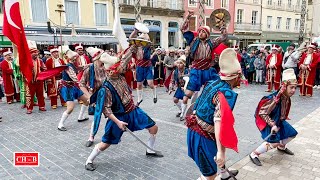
[[204, 107]]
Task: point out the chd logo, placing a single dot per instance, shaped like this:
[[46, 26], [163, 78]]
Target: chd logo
[[26, 159]]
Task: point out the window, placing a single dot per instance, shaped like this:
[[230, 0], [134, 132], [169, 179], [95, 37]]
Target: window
[[173, 4], [172, 37], [269, 20], [270, 2], [254, 17], [129, 2], [192, 24], [192, 3], [298, 3], [256, 1], [279, 2], [224, 3], [208, 22], [39, 11], [101, 14], [209, 3], [239, 16], [1, 6], [278, 26], [152, 3], [72, 12], [288, 22], [289, 3], [296, 24]]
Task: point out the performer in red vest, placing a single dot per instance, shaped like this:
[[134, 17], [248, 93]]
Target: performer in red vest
[[52, 84], [10, 88], [308, 66], [35, 86], [82, 61], [273, 63]]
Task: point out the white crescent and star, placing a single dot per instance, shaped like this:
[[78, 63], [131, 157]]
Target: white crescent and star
[[8, 4]]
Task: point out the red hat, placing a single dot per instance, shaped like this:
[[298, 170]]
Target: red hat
[[6, 51], [205, 29], [53, 49], [218, 50], [276, 47], [313, 45], [78, 46]]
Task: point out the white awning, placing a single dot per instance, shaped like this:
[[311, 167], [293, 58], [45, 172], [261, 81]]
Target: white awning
[[84, 39]]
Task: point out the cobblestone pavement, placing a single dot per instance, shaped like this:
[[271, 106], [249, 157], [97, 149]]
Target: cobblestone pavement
[[63, 154], [276, 165]]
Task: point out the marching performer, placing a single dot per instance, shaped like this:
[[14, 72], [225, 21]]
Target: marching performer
[[144, 70], [114, 100], [178, 81], [274, 64], [210, 126], [35, 87], [157, 62], [69, 87], [308, 66], [271, 115], [201, 47], [52, 83], [82, 61], [11, 90], [93, 77]]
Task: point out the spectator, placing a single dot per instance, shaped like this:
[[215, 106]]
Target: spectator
[[245, 57], [250, 66], [259, 64]]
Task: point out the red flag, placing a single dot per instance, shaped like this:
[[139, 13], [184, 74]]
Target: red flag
[[228, 136], [168, 80], [50, 73], [14, 30]]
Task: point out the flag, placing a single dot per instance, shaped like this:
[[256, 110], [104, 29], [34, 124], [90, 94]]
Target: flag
[[228, 136], [14, 30], [44, 75], [118, 31]]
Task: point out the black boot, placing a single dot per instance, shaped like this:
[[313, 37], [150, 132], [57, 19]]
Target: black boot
[[255, 161], [286, 151], [90, 167], [233, 172]]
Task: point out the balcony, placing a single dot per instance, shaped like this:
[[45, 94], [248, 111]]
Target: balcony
[[247, 27], [297, 8], [249, 2], [289, 7], [172, 8]]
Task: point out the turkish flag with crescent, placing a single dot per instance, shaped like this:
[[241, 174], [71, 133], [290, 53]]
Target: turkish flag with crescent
[[14, 30]]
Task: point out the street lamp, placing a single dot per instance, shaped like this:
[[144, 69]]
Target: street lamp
[[60, 10]]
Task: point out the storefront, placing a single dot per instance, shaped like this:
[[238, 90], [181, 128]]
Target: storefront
[[88, 37], [245, 40], [279, 37]]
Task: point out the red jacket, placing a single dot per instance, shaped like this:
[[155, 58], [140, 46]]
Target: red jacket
[[311, 68], [7, 74], [51, 83], [278, 67]]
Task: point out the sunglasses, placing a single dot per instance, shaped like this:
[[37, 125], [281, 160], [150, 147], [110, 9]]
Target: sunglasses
[[138, 42]]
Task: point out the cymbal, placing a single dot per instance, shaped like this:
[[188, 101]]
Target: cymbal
[[219, 18]]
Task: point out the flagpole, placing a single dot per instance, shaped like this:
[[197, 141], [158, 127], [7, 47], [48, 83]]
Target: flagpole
[[60, 11]]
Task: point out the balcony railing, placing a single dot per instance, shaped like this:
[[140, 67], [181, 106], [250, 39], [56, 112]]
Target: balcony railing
[[290, 7], [297, 8], [247, 27], [162, 4]]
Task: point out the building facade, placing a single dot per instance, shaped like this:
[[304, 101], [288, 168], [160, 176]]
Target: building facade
[[312, 31], [82, 21], [193, 5], [248, 22], [162, 17], [281, 20]]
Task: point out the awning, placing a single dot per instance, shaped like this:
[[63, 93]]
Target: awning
[[84, 39], [151, 28], [173, 29], [230, 36]]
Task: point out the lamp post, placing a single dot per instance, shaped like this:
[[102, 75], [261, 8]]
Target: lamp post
[[60, 10], [302, 20]]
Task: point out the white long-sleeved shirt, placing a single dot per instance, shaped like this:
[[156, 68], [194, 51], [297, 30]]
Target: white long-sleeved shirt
[[293, 59]]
